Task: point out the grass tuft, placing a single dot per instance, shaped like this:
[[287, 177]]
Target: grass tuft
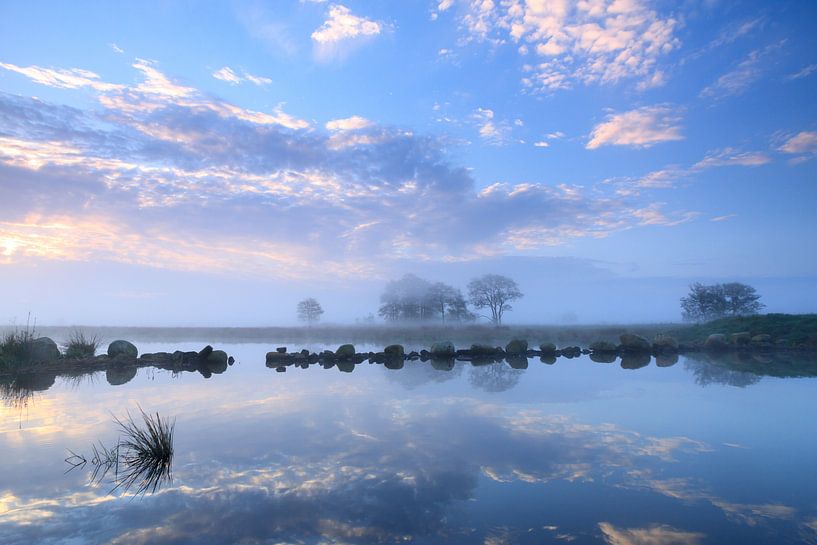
[[145, 452], [80, 347]]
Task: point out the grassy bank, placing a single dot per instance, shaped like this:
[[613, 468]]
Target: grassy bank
[[797, 329]]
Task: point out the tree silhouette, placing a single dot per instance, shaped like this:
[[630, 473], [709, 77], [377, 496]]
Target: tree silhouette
[[709, 302], [309, 311], [495, 292]]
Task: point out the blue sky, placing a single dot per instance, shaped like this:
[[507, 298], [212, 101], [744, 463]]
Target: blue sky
[[171, 155]]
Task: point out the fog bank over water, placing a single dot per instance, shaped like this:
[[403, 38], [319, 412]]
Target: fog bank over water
[[556, 290]]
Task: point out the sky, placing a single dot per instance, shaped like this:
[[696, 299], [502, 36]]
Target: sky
[[212, 163]]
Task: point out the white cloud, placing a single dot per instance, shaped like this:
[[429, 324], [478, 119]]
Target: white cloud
[[747, 72], [230, 76], [353, 123], [70, 78], [341, 25], [653, 535], [496, 132], [541, 144], [116, 48], [591, 42], [805, 72], [732, 157], [803, 143], [724, 217], [642, 127]]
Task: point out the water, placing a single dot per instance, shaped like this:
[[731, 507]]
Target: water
[[577, 452]]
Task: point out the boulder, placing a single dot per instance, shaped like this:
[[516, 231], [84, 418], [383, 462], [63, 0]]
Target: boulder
[[742, 338], [394, 351], [483, 350], [393, 364], [346, 366], [516, 347], [635, 360], [517, 361], [666, 360], [762, 338], [442, 364], [277, 359], [716, 341], [634, 343], [205, 352], [548, 359], [44, 349], [665, 344], [444, 349], [345, 351], [547, 349], [603, 357], [281, 349], [122, 348], [603, 347], [118, 375], [218, 358]]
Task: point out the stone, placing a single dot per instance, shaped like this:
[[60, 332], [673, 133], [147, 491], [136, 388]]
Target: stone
[[548, 359], [666, 360], [631, 342], [483, 350], [281, 349], [218, 358], [742, 338], [665, 344], [547, 349], [516, 347], [44, 349], [635, 360], [394, 351], [716, 341], [444, 349], [603, 357], [346, 366], [762, 338], [441, 364], [122, 348], [345, 351], [603, 347], [205, 352], [517, 361], [118, 375]]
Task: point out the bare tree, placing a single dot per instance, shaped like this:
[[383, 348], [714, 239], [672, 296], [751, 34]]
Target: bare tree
[[495, 292], [309, 311], [440, 296]]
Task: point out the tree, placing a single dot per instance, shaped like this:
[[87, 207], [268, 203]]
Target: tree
[[440, 297], [458, 310], [309, 311], [495, 292], [709, 302], [406, 299]]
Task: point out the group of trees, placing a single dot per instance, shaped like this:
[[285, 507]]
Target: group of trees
[[709, 302], [412, 298]]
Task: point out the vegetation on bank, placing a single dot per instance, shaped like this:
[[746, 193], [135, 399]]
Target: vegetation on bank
[[796, 329]]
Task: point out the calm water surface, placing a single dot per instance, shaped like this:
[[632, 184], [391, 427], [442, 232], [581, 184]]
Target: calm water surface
[[573, 452]]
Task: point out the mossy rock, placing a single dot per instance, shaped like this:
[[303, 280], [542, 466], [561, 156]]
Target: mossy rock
[[741, 338], [666, 360], [547, 348], [603, 347], [394, 351], [117, 376], [122, 348], [345, 351], [634, 343], [516, 346], [635, 360], [716, 341], [44, 349], [665, 343], [603, 357], [443, 349]]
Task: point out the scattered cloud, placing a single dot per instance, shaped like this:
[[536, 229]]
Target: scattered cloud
[[724, 218], [349, 124], [653, 535], [341, 30], [805, 72], [746, 73], [541, 144], [600, 42], [69, 78], [116, 48], [641, 128], [803, 144], [496, 132], [732, 157], [230, 76]]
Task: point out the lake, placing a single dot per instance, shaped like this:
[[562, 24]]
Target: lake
[[572, 452]]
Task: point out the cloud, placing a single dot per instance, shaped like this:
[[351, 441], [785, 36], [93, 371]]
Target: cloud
[[747, 72], [116, 48], [349, 124], [70, 78], [601, 42], [805, 72], [228, 74], [342, 28], [200, 182], [653, 535], [732, 157], [803, 144], [496, 132], [641, 128]]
